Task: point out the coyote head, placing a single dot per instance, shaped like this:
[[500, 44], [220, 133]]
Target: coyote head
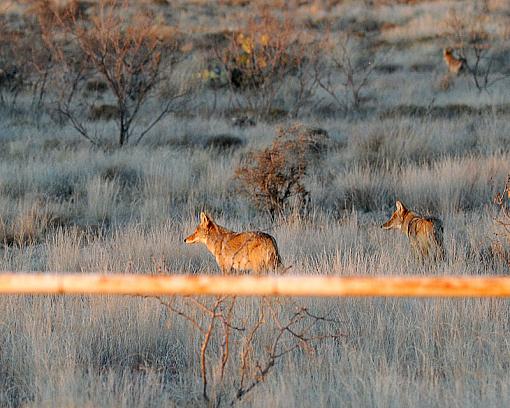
[[202, 231], [397, 219], [448, 51]]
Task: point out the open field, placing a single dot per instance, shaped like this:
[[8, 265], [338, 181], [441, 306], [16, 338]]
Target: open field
[[414, 133]]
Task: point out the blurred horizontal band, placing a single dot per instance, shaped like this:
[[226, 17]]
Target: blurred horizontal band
[[246, 285]]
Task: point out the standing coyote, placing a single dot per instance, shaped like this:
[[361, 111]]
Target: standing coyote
[[254, 250], [425, 233], [455, 65]]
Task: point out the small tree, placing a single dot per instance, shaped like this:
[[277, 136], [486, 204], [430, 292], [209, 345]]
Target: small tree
[[349, 63], [126, 54], [261, 58], [271, 177]]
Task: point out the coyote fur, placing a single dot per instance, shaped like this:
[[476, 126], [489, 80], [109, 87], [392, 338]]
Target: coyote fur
[[424, 233], [455, 65], [254, 250]]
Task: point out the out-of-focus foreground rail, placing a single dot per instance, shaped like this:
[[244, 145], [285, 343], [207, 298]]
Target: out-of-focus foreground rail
[[208, 285]]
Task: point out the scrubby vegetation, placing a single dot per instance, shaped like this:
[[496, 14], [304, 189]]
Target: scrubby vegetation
[[273, 177], [121, 121]]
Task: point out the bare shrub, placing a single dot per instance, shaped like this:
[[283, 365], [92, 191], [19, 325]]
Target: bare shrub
[[259, 59], [238, 352], [271, 177], [125, 53], [476, 48], [347, 69]]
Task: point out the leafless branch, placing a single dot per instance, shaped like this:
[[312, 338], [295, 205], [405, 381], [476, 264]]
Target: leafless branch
[[279, 328]]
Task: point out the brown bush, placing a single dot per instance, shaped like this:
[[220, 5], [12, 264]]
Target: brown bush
[[270, 178], [262, 54], [260, 57]]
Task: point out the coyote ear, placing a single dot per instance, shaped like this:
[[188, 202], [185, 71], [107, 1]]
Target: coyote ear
[[400, 206], [204, 219]]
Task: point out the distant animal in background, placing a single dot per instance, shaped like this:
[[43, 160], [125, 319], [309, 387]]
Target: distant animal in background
[[250, 251], [425, 233], [455, 64]]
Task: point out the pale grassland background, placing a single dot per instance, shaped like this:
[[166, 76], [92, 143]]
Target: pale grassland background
[[117, 210]]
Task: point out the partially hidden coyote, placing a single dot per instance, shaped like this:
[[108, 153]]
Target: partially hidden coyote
[[249, 251], [424, 233], [455, 65]]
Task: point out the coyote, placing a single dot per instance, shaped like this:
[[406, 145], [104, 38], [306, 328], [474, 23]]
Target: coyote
[[254, 250], [455, 65], [425, 233]]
